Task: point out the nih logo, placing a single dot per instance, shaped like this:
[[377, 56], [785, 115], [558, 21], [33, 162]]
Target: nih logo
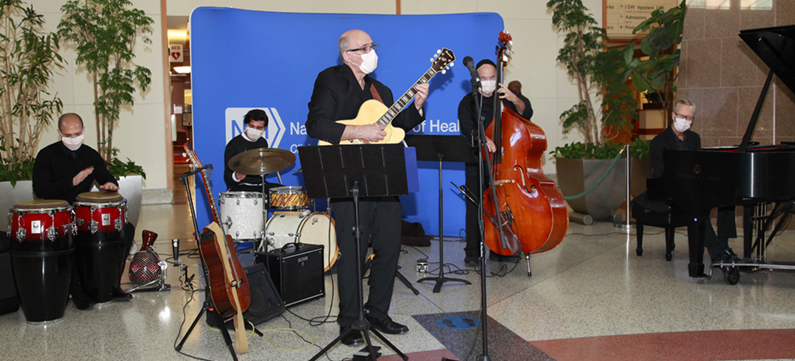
[[234, 124]]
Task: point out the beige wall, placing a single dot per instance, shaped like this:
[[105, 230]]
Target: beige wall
[[140, 135], [724, 77]]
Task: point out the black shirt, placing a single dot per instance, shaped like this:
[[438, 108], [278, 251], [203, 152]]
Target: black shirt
[[56, 166], [467, 109], [338, 96], [237, 145]]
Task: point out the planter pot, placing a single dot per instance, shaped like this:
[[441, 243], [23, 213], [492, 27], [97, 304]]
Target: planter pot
[[577, 175], [9, 196]]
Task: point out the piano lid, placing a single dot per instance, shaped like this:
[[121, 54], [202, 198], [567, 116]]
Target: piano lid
[[773, 45], [776, 47]]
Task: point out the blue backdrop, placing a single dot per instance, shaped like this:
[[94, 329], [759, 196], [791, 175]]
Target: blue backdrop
[[243, 59]]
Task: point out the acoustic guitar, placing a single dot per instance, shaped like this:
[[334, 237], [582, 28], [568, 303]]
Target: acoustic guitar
[[226, 279], [373, 111]]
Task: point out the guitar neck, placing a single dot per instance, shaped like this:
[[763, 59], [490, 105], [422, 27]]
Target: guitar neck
[[210, 197], [395, 109]]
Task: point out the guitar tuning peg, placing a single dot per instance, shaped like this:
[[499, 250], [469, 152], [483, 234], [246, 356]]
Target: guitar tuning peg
[[432, 59], [438, 51], [444, 71], [451, 64]]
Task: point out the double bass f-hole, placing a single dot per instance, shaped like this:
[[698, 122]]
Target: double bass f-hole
[[524, 184]]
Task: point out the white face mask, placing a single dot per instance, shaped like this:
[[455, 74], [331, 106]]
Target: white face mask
[[682, 124], [488, 86], [369, 62], [253, 134], [73, 143]]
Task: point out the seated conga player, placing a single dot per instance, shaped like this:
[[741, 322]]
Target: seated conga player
[[67, 168], [256, 121]]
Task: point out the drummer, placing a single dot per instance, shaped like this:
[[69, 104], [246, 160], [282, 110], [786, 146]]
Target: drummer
[[67, 168], [256, 121]]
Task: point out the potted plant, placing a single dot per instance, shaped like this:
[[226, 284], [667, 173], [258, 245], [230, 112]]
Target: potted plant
[[657, 75], [104, 34], [28, 58], [597, 72]]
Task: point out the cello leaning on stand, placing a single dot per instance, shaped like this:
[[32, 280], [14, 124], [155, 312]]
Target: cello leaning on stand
[[527, 201]]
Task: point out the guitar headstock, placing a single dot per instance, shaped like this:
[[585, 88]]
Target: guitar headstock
[[506, 46], [194, 161], [442, 60]]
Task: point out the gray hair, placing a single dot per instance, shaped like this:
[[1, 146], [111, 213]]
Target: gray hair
[[343, 44], [685, 102]]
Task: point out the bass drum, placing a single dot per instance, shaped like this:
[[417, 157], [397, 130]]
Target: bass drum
[[284, 228]]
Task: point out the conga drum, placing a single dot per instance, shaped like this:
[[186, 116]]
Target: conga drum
[[42, 253], [100, 218]]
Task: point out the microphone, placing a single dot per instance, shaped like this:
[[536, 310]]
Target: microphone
[[175, 248], [470, 64]]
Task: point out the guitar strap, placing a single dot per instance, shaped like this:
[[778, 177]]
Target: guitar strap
[[375, 93]]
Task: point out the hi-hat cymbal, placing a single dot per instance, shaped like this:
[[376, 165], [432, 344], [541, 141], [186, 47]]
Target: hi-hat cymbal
[[261, 161]]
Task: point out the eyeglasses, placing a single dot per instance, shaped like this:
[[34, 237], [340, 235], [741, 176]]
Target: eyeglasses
[[684, 116], [365, 48]]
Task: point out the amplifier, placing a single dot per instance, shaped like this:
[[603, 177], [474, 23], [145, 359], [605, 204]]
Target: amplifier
[[296, 271]]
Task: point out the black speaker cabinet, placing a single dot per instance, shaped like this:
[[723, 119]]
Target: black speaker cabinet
[[297, 272]]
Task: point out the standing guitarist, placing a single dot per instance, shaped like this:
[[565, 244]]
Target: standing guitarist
[[338, 94]]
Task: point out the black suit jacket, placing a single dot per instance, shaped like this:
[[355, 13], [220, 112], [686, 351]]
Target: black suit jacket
[[338, 96], [668, 140]]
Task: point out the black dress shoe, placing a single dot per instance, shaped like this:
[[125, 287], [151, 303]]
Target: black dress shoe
[[82, 302], [354, 338], [120, 295], [386, 325]]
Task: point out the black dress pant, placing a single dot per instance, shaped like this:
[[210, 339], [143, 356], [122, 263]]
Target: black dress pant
[[380, 221], [472, 248]]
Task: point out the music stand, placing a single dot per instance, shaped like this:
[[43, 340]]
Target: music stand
[[346, 172], [450, 148]]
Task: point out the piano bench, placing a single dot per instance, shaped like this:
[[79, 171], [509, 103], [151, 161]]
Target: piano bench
[[669, 220]]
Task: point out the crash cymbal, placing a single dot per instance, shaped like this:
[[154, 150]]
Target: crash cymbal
[[261, 161]]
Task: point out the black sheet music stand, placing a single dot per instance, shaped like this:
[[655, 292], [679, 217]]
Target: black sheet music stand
[[349, 171], [448, 148]]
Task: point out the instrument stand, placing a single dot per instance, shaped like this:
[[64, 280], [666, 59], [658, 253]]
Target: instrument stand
[[436, 147], [339, 172], [207, 305]]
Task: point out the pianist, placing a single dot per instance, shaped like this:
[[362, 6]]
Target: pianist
[[679, 136]]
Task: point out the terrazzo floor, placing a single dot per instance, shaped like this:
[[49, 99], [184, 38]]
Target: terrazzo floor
[[592, 298]]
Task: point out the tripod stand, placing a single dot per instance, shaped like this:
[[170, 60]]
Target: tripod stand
[[345, 172], [207, 305], [436, 147]]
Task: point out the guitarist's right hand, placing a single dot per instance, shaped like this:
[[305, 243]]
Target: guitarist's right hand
[[370, 132]]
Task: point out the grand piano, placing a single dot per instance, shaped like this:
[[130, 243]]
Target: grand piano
[[747, 175]]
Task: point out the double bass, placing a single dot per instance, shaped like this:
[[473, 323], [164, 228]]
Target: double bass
[[527, 203]]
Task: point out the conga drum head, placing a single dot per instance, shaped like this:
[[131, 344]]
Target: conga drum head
[[99, 197], [40, 204]]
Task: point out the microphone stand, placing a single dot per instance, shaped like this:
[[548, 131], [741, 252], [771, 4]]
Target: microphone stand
[[482, 150]]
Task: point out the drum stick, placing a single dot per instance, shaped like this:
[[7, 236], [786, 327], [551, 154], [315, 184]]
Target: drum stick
[[280, 178]]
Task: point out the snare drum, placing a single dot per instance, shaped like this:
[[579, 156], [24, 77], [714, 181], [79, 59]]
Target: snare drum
[[304, 227], [289, 198], [42, 253], [100, 218], [242, 214]]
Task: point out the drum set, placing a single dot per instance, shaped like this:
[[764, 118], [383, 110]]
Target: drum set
[[244, 215], [49, 237]]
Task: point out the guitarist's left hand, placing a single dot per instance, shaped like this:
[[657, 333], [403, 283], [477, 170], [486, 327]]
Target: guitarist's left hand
[[422, 94]]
